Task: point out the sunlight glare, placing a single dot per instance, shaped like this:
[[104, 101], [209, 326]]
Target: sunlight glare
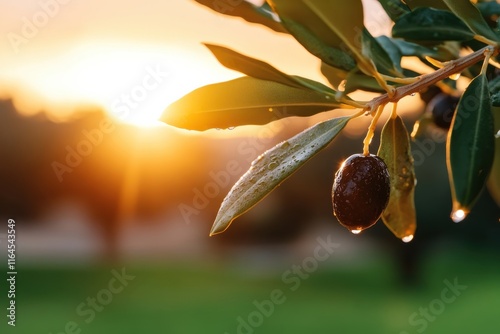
[[133, 83]]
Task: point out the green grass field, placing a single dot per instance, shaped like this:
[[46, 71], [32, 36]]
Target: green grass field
[[210, 298]]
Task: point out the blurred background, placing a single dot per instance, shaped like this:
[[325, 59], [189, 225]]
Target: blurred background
[[113, 209]]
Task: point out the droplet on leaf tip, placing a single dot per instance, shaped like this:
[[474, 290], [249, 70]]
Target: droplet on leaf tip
[[356, 231], [458, 215], [455, 76], [408, 238]]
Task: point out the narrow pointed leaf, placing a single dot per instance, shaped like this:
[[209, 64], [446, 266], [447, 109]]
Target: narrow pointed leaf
[[470, 146], [400, 215], [493, 182], [409, 49], [384, 63], [360, 81], [393, 52], [337, 23], [261, 70], [244, 101], [465, 10], [494, 87], [347, 15], [255, 14], [330, 55], [273, 167], [333, 74], [489, 9], [427, 24]]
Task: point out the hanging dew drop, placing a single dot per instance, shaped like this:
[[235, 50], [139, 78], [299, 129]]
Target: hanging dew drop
[[455, 76], [355, 231], [231, 128], [408, 238], [458, 215]]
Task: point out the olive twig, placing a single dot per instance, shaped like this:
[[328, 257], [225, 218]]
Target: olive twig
[[452, 67]]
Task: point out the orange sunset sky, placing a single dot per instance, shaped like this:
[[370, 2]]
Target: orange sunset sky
[[56, 54]]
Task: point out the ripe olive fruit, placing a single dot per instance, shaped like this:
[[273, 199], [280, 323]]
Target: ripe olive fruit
[[428, 93], [443, 108], [360, 191]]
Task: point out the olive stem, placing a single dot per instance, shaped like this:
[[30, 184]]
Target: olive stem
[[371, 130], [486, 60], [394, 113], [452, 67]]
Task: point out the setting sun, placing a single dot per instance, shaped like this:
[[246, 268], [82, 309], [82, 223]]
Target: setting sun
[[133, 83]]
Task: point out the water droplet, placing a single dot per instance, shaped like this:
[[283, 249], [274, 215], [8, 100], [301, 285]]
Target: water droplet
[[356, 231], [413, 94], [218, 129], [408, 238], [327, 97], [458, 215], [270, 109], [454, 76], [231, 128], [341, 86]]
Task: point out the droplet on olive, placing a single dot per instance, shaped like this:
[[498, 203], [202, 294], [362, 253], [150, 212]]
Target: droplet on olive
[[443, 108], [361, 191]]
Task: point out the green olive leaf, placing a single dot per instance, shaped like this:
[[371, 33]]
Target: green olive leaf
[[400, 215], [493, 182], [489, 9], [360, 81], [336, 23], [494, 87], [333, 74], [330, 55], [409, 49], [469, 13], [464, 9], [470, 146], [374, 51], [393, 52], [244, 101], [428, 24], [261, 70], [273, 167], [255, 14]]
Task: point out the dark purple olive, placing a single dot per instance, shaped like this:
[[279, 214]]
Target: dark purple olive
[[443, 108], [360, 191]]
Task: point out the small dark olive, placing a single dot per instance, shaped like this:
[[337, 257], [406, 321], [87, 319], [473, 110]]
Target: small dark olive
[[360, 191], [443, 108]]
